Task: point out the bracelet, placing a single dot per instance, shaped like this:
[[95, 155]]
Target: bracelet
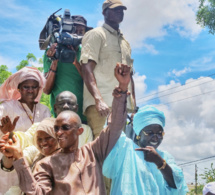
[[163, 166], [6, 169], [124, 92], [52, 70]]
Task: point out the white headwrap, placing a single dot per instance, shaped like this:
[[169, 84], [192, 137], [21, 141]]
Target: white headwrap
[[210, 187]]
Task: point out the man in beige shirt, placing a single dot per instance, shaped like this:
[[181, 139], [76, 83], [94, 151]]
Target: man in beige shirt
[[102, 48], [73, 170]]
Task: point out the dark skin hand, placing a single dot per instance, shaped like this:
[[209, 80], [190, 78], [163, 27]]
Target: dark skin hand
[[7, 125], [7, 160], [90, 82], [151, 155], [122, 74], [11, 147], [50, 76]]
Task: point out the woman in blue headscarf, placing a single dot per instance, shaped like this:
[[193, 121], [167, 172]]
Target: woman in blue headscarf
[[137, 166]]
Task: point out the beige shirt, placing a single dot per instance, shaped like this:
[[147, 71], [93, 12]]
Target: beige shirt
[[78, 172], [106, 47]]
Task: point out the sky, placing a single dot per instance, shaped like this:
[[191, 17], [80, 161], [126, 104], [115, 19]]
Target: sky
[[173, 60]]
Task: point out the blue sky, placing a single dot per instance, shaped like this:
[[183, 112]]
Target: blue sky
[[169, 51]]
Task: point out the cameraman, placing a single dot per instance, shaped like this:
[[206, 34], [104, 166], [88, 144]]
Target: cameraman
[[65, 76]]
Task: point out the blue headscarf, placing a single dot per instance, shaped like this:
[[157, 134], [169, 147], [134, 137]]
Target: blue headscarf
[[147, 115]]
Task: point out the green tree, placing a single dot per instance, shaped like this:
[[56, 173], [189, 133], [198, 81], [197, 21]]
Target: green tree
[[199, 190], [206, 15], [29, 59], [209, 174], [4, 73]]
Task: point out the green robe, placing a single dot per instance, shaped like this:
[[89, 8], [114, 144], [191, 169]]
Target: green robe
[[67, 79]]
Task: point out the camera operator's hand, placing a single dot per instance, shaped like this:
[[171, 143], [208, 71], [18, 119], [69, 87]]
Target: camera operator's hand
[[51, 51]]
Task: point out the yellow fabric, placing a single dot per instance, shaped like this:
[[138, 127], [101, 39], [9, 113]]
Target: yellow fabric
[[26, 138], [86, 136], [106, 47]]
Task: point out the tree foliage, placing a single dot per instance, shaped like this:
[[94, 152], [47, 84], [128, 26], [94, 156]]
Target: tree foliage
[[206, 15], [209, 174], [30, 58], [4, 73]]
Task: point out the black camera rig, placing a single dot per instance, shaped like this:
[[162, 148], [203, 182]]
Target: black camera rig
[[60, 30]]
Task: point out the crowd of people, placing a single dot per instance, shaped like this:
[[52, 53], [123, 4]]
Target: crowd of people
[[84, 144]]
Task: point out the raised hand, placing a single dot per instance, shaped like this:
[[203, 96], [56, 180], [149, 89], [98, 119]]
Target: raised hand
[[123, 75], [7, 125]]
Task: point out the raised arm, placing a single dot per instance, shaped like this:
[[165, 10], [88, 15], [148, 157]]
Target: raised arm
[[109, 136], [51, 74]]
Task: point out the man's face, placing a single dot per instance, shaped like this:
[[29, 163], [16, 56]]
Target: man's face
[[114, 15], [80, 30], [66, 101], [66, 131], [29, 90], [151, 135]]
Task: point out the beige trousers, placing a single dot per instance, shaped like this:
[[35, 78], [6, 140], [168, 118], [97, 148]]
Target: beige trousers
[[94, 120]]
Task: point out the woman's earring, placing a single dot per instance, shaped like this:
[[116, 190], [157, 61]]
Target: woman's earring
[[138, 137]]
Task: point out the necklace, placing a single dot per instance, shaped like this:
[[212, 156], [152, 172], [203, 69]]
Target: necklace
[[29, 116]]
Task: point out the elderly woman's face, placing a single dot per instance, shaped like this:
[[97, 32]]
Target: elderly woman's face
[[29, 90], [151, 135], [46, 143]]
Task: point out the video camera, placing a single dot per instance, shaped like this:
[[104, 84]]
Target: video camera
[[61, 31]]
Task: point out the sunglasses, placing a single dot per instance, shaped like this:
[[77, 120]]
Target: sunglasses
[[151, 134], [64, 128], [26, 88]]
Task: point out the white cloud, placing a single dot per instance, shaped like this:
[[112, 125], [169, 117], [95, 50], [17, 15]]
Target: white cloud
[[10, 63], [190, 124], [204, 63], [178, 73], [140, 86], [152, 19]]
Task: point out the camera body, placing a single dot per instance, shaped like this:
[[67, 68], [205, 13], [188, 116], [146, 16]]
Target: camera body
[[61, 30]]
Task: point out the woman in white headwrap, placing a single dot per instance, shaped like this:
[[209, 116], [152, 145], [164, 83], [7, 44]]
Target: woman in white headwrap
[[19, 97]]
